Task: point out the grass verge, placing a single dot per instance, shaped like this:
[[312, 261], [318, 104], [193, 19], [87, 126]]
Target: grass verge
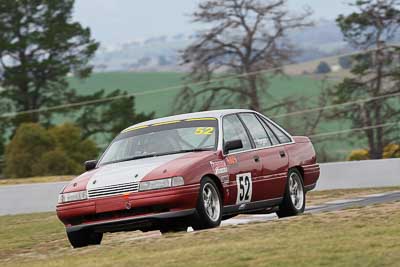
[[34, 180], [319, 197], [354, 237]]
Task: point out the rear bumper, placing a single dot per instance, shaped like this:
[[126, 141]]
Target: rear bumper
[[129, 211], [311, 175]]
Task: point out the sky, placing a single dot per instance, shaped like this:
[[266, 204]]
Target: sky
[[119, 21]]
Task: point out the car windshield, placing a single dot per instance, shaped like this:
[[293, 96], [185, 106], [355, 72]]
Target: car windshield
[[163, 139]]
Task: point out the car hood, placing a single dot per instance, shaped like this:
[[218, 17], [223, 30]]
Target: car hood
[[128, 171], [134, 171]]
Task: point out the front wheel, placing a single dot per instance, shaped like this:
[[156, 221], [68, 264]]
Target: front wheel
[[294, 200], [209, 206]]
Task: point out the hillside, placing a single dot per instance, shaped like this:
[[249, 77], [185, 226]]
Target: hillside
[[162, 103], [161, 53]]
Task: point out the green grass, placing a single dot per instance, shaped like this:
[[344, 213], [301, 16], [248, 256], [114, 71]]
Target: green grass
[[354, 237]]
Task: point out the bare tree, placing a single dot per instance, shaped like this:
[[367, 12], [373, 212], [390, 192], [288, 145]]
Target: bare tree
[[243, 39], [376, 73]]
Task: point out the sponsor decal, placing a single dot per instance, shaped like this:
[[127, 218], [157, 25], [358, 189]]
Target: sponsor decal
[[219, 167], [231, 160], [204, 130], [224, 179]]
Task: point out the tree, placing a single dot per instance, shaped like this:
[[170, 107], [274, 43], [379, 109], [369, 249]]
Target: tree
[[323, 68], [39, 45], [345, 62], [108, 118], [376, 72], [244, 37], [36, 151]]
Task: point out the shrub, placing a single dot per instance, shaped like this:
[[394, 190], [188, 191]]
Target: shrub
[[323, 68], [35, 151], [345, 62], [359, 154], [25, 149], [68, 139], [391, 151], [56, 162]]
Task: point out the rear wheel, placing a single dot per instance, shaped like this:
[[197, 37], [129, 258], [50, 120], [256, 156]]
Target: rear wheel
[[295, 199], [209, 206], [83, 238]]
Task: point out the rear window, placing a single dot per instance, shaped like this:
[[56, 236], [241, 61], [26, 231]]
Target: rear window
[[283, 137]]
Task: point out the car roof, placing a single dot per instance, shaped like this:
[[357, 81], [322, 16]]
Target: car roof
[[204, 114]]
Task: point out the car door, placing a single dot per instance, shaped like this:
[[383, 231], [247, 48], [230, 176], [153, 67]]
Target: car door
[[271, 183], [243, 164]]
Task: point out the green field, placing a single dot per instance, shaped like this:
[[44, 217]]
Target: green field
[[162, 103], [352, 237]]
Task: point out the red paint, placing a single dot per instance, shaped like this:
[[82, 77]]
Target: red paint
[[302, 155], [175, 199], [269, 175]]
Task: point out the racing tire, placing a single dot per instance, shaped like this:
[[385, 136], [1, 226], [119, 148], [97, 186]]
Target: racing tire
[[209, 206], [294, 200], [83, 238]]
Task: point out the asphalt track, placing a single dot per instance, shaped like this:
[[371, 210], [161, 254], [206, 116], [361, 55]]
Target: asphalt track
[[336, 205], [28, 198], [330, 206]]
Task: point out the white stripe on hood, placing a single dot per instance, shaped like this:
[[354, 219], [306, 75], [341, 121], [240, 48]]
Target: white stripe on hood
[[128, 171]]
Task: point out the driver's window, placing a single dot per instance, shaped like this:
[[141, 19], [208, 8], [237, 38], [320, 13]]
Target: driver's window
[[233, 129]]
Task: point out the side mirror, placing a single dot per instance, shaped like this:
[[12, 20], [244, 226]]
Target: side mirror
[[90, 164], [233, 145]]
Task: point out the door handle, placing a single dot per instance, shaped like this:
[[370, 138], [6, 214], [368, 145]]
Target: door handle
[[256, 158], [282, 153]]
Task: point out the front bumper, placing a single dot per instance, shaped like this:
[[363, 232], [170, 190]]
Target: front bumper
[[145, 222], [139, 210]]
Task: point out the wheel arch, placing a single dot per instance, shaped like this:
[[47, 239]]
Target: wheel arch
[[300, 170], [217, 181]]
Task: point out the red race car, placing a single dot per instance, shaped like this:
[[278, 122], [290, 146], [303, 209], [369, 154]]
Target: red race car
[[189, 170]]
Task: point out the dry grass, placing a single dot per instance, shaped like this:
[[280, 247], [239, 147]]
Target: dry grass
[[354, 237], [319, 197], [33, 180]]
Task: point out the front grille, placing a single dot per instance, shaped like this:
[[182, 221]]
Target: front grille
[[113, 190]]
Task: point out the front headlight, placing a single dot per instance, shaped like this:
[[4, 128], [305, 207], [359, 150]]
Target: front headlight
[[162, 183], [73, 196]]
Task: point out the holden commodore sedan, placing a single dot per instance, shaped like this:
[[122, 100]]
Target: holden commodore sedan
[[189, 170]]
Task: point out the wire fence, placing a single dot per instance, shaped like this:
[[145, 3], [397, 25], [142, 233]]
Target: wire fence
[[319, 135], [171, 88]]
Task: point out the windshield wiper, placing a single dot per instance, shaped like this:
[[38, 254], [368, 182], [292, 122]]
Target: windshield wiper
[[132, 158], [194, 150]]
